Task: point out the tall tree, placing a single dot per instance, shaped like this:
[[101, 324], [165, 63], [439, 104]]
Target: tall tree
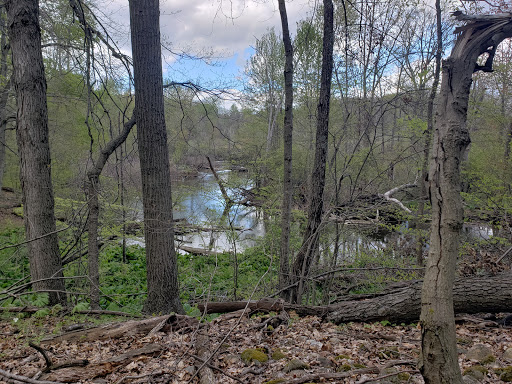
[[481, 35], [162, 268], [287, 151], [309, 246], [5, 87], [34, 149]]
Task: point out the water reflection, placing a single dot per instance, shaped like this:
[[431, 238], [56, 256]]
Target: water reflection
[[199, 202]]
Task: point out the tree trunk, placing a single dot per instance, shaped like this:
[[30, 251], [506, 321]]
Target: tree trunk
[[287, 152], [309, 246], [438, 361], [4, 94], [34, 148], [93, 248], [162, 268], [428, 134]]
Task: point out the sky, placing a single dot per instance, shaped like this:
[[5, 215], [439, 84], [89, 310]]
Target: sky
[[224, 29]]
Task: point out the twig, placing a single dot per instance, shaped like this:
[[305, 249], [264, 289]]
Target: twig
[[214, 367], [385, 376], [68, 364], [156, 373], [505, 254], [25, 379]]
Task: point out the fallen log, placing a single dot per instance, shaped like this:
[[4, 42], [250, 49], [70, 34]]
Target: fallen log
[[403, 304], [126, 329], [206, 375], [198, 251], [91, 371]]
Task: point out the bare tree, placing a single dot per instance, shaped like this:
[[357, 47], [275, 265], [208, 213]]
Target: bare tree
[[162, 269], [480, 36], [34, 149], [287, 152], [309, 246]]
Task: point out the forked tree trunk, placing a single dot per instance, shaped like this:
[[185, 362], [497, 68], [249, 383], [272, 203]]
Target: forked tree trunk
[[287, 152], [34, 148], [438, 361], [93, 183], [161, 262]]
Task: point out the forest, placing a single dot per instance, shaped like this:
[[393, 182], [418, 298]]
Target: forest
[[340, 212]]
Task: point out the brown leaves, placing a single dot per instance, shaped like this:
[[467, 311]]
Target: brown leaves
[[348, 353]]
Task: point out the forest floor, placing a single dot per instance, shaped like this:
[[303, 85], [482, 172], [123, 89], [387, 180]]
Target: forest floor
[[299, 350]]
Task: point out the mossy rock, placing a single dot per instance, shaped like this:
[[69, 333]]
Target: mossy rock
[[476, 371], [404, 376], [344, 368], [274, 381], [278, 355], [481, 353], [488, 360], [358, 366], [339, 357], [295, 364], [506, 374], [390, 352], [254, 355]]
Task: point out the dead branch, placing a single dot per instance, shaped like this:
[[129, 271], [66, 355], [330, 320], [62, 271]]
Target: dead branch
[[205, 373], [129, 328], [378, 379], [387, 195], [23, 379], [81, 373], [156, 373], [45, 356], [321, 376]]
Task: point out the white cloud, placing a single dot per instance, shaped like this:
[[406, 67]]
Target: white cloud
[[222, 26]]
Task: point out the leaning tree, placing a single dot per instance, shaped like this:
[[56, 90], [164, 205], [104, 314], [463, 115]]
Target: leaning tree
[[473, 51]]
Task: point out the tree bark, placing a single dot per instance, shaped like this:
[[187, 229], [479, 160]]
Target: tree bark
[[4, 94], [438, 361], [34, 148], [309, 246], [162, 268], [287, 152]]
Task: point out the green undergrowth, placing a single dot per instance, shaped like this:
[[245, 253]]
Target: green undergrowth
[[123, 284]]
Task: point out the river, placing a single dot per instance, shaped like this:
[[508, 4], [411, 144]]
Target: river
[[198, 202]]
